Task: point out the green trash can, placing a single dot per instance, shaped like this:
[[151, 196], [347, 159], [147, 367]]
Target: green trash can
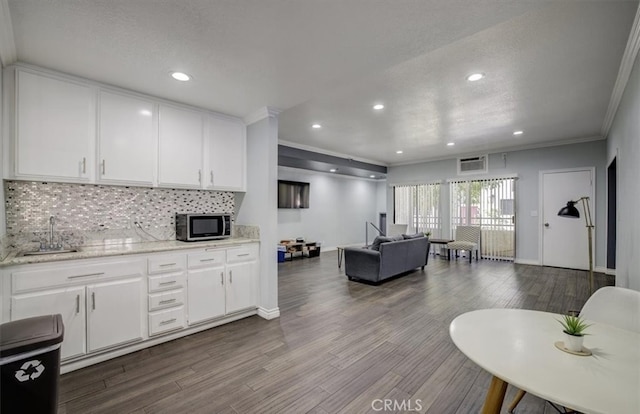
[[30, 364]]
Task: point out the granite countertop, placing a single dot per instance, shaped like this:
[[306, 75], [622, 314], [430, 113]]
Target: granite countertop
[[119, 249]]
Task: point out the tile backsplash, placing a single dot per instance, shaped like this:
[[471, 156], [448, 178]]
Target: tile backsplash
[[96, 214]]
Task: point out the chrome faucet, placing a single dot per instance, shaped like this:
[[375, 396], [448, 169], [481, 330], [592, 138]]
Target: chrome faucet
[[52, 228]]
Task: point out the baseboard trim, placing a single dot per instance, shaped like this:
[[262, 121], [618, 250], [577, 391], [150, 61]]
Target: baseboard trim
[[527, 262], [269, 314], [605, 270]]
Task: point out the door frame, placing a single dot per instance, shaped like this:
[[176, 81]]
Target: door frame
[[592, 205]]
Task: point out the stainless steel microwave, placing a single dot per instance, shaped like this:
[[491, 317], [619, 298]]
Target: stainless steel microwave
[[195, 227]]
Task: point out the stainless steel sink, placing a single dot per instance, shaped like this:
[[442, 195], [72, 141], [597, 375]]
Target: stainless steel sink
[[46, 252]]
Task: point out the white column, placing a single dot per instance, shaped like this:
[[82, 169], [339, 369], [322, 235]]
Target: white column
[[259, 205]]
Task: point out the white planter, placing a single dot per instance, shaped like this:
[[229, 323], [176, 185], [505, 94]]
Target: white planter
[[573, 343]]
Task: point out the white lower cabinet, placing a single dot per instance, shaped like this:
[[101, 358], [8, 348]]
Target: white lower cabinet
[[112, 305], [113, 310], [69, 302]]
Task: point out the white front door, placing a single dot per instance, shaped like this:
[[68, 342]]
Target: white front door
[[564, 240]]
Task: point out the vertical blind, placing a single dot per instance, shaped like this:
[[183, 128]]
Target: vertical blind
[[489, 204], [418, 206]]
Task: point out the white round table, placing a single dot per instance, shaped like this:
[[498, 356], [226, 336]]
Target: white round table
[[517, 347]]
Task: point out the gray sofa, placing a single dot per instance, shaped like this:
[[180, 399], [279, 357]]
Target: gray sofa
[[392, 258]]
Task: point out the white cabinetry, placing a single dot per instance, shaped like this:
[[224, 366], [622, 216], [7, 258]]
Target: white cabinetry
[[166, 298], [55, 128], [126, 139], [114, 313], [100, 303], [69, 302], [206, 280], [227, 154], [180, 147]]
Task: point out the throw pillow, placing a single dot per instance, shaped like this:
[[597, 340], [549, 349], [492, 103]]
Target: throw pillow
[[412, 236], [378, 241]]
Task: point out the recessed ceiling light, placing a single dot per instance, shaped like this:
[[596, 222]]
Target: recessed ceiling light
[[378, 107], [451, 144], [399, 152], [180, 76], [145, 112], [475, 77], [372, 176], [518, 132], [333, 170], [316, 126]]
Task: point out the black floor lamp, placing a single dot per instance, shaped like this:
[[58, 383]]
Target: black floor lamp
[[571, 211]]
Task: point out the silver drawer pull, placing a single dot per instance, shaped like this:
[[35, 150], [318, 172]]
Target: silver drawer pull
[[243, 254], [171, 282], [168, 321], [87, 275], [207, 260], [210, 249], [168, 264], [164, 302]]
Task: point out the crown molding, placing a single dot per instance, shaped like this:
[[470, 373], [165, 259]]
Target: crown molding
[[262, 113], [628, 59], [8, 54]]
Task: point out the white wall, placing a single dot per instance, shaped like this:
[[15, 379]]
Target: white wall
[[526, 164], [258, 206], [339, 208], [624, 142]]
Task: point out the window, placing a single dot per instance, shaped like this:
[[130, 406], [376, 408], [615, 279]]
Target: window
[[418, 206]]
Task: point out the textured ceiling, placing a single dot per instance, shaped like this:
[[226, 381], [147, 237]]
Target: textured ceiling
[[550, 65]]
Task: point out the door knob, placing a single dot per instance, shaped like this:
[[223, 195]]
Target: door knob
[[546, 224]]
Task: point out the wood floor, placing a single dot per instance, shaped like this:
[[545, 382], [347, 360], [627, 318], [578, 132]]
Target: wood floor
[[337, 347]]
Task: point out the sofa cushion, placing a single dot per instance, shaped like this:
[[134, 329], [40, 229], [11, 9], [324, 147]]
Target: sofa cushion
[[378, 241], [412, 236]]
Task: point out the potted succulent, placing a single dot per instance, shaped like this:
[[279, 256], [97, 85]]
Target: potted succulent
[[573, 327]]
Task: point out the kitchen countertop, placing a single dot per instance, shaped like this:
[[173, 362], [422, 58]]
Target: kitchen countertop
[[120, 249]]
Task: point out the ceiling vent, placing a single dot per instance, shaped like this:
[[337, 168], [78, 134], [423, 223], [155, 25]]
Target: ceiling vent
[[472, 165]]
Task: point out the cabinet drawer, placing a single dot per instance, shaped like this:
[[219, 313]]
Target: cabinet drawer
[[167, 263], [54, 276], [166, 299], [242, 254], [166, 282], [206, 259], [167, 320]]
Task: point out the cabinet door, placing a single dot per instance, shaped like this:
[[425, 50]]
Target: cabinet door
[[227, 154], [205, 294], [180, 147], [114, 312], [126, 139], [55, 128], [70, 303], [241, 286]]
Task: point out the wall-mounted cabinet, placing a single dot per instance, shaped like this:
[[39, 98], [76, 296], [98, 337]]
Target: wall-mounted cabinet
[[126, 139], [72, 130], [180, 146], [55, 128]]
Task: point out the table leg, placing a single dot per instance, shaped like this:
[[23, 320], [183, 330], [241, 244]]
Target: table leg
[[495, 396], [340, 253]]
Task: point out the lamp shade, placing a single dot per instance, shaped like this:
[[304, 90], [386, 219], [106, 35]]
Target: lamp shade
[[569, 210]]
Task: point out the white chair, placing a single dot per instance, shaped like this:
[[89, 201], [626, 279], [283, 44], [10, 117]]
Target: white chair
[[468, 239], [610, 305], [396, 229]]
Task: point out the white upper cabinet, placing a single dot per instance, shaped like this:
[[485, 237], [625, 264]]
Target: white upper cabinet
[[126, 139], [55, 128], [180, 147], [227, 154]]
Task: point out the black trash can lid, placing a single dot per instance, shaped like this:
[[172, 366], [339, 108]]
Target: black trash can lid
[[29, 334]]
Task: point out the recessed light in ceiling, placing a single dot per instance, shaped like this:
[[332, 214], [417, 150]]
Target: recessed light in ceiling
[[145, 112], [518, 132], [333, 170], [451, 144], [399, 152], [378, 107], [372, 176], [183, 77], [475, 77], [316, 126]]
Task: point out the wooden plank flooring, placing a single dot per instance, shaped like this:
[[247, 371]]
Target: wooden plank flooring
[[337, 347]]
